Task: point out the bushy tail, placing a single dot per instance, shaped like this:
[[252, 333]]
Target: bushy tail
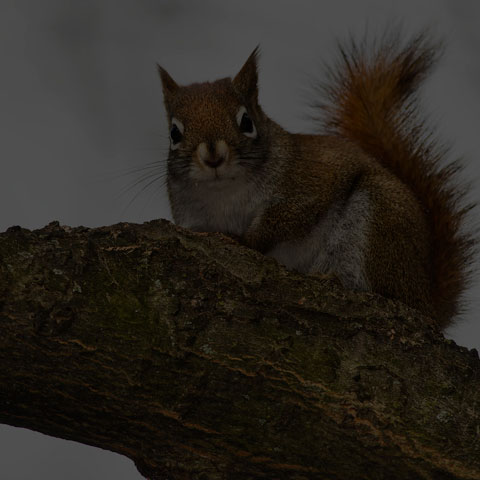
[[371, 100]]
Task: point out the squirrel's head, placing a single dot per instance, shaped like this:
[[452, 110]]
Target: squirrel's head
[[215, 128]]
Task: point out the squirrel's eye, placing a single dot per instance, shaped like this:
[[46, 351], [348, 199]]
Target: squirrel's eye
[[245, 123], [176, 134]]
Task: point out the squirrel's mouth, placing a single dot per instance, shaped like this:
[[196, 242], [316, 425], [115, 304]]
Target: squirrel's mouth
[[217, 177], [218, 172]]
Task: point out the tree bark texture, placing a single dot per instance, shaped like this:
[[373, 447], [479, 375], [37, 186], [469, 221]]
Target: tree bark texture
[[201, 359]]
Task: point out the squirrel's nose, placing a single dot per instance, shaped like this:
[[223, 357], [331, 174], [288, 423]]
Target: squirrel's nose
[[214, 162], [213, 155]]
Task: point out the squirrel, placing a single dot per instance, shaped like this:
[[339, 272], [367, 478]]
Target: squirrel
[[371, 200]]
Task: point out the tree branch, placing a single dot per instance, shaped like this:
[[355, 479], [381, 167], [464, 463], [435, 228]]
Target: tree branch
[[201, 359]]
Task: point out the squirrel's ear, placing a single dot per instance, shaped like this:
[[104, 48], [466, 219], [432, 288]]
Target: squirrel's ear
[[169, 85], [245, 82]]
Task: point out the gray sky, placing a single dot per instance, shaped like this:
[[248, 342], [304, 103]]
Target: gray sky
[[80, 103]]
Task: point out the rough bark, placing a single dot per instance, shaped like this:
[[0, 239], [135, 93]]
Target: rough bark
[[201, 359]]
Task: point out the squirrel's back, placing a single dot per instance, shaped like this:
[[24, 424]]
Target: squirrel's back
[[371, 100]]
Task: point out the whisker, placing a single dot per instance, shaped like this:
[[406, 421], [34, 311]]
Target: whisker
[[145, 177], [130, 171], [142, 190]]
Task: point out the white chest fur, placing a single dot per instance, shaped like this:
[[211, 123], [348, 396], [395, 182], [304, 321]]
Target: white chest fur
[[217, 206]]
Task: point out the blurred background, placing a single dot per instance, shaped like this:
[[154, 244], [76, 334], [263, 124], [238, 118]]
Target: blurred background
[[81, 108]]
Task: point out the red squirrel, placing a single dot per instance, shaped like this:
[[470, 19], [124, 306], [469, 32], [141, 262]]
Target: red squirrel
[[371, 200]]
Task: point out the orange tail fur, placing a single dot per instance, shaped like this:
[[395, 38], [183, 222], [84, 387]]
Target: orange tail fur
[[371, 100]]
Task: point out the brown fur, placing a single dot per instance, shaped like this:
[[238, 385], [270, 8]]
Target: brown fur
[[415, 251]]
